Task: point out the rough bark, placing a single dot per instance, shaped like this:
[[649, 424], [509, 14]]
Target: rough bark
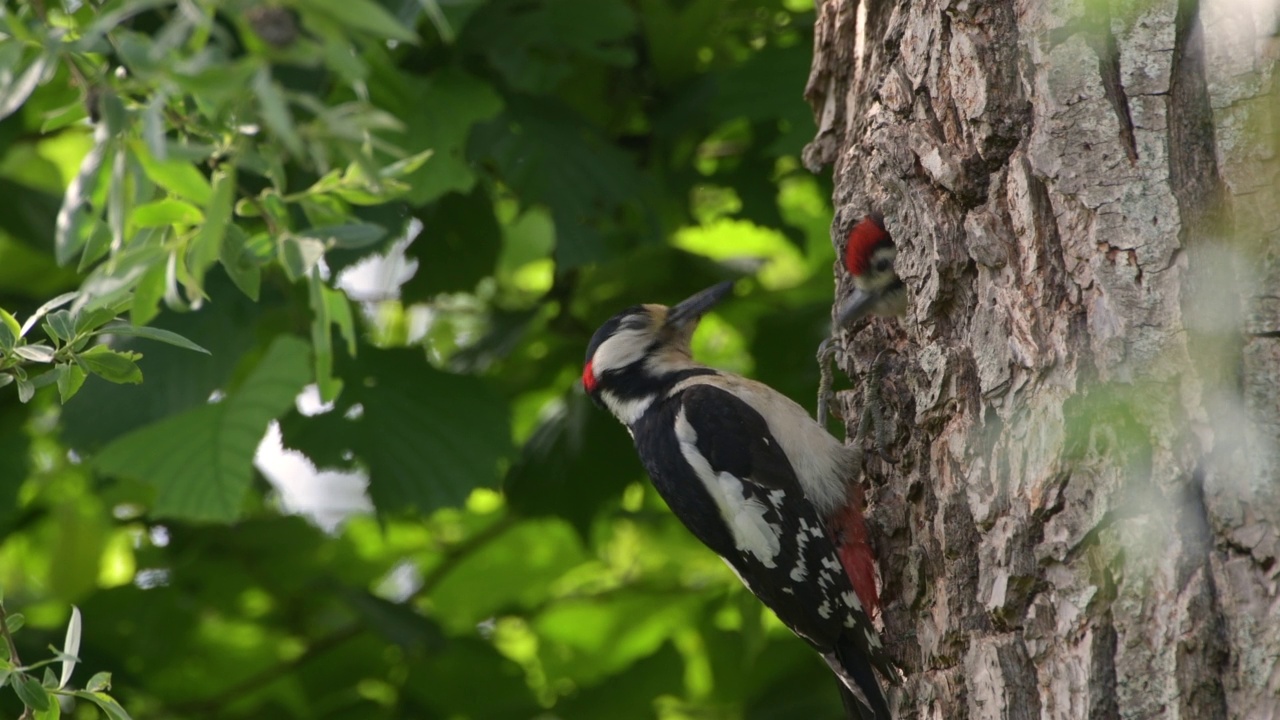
[[1079, 514]]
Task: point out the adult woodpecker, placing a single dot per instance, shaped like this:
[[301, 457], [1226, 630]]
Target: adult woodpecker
[[751, 475], [868, 257]]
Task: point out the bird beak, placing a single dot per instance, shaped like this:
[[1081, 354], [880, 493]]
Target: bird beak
[[856, 306], [695, 307]]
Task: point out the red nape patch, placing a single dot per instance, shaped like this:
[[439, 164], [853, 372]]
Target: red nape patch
[[849, 532], [589, 378], [863, 239]]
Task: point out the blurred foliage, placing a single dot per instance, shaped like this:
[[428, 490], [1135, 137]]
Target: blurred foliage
[[414, 213]]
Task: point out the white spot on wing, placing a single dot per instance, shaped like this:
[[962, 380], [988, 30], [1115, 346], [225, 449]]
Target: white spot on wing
[[743, 515]]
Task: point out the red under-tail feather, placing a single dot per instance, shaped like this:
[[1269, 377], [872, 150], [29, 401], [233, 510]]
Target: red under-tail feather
[[849, 529]]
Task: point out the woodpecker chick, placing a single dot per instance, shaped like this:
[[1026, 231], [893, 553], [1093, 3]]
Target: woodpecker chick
[[753, 477], [868, 257]]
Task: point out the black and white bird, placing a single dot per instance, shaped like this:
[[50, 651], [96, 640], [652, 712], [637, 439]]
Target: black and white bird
[[753, 477]]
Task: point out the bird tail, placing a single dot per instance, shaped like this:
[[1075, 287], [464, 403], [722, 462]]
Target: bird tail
[[859, 689]]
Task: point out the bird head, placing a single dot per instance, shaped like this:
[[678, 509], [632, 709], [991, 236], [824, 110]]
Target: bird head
[[643, 350], [868, 257]]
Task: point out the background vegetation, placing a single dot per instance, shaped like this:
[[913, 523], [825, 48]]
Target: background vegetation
[[414, 213]]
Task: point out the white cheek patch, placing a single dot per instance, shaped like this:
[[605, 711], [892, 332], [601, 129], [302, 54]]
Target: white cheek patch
[[743, 515], [624, 348]]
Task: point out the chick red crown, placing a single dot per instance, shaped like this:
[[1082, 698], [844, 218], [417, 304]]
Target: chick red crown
[[864, 238]]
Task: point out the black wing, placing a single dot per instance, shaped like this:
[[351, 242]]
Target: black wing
[[735, 489]]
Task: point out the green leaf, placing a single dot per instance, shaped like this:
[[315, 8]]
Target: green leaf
[[407, 166], [275, 109], [99, 681], [35, 353], [427, 437], [70, 379], [561, 161], [242, 270], [61, 325], [440, 112], [53, 713], [457, 248], [105, 702], [299, 255], [16, 87], [148, 293], [536, 47], [40, 312], [14, 622], [122, 328], [116, 367], [179, 177], [366, 15], [162, 213], [70, 647], [207, 245], [77, 218], [118, 209], [31, 692], [351, 236], [328, 307], [26, 390], [201, 461], [8, 332]]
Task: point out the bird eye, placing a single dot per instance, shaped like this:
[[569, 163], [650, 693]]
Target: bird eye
[[884, 264]]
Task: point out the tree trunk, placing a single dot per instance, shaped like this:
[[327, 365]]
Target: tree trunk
[[1077, 514]]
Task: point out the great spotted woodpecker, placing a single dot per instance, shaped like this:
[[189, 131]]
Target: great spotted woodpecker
[[753, 477], [868, 257]]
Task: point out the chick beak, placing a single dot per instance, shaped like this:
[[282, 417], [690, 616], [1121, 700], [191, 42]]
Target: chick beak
[[858, 305]]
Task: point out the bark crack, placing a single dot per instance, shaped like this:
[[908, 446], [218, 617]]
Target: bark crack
[[1103, 42]]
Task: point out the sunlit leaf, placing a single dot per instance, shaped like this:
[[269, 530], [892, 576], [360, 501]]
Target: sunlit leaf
[[178, 176], [77, 217], [170, 211], [18, 86], [70, 647]]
